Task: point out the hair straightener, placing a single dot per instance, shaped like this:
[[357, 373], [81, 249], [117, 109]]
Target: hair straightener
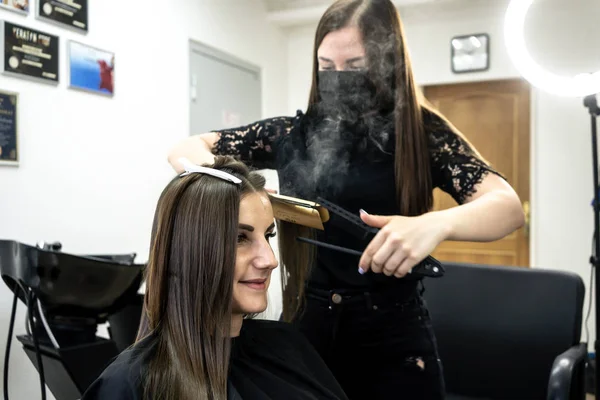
[[429, 267]]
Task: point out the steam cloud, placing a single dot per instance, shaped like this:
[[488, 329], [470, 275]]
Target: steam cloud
[[344, 127]]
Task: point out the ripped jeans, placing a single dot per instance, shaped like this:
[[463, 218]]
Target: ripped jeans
[[377, 345]]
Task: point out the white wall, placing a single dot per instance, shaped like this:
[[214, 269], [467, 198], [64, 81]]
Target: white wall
[[561, 165], [92, 167]]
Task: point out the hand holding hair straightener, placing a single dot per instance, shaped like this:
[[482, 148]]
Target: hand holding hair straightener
[[315, 214]]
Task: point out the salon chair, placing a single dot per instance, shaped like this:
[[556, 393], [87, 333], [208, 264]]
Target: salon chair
[[509, 333]]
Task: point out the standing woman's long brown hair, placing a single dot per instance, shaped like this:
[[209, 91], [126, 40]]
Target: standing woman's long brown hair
[[189, 284], [389, 68]]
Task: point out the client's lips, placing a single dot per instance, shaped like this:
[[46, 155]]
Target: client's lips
[[258, 284]]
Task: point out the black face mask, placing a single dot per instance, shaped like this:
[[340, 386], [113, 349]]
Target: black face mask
[[346, 92], [345, 127], [348, 120]]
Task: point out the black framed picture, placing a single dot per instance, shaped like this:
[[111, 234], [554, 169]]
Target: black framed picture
[[470, 53], [72, 13], [9, 149], [28, 53]]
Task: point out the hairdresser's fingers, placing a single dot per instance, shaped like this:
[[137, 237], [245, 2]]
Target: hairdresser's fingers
[[399, 274], [393, 263], [381, 257], [377, 221], [366, 259], [397, 244], [408, 264]]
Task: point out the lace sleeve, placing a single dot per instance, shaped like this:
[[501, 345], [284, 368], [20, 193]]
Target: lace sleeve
[[254, 143], [456, 166]]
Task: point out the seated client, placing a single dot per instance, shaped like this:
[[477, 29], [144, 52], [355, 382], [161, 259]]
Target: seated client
[[208, 272]]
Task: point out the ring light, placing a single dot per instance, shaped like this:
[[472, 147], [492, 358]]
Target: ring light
[[514, 23]]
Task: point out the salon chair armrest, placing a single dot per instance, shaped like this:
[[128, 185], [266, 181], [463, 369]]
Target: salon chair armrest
[[563, 368]]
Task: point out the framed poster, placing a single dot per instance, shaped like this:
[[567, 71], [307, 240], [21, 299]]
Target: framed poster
[[20, 6], [91, 69], [67, 13], [28, 53], [9, 152]]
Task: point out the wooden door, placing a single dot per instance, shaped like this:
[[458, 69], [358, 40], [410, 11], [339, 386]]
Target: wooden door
[[495, 118]]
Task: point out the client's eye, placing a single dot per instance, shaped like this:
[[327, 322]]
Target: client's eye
[[271, 235], [242, 238]]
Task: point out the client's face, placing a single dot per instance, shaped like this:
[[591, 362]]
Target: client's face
[[255, 259]]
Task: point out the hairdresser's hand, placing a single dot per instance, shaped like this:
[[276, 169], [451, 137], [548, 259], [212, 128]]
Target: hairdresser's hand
[[402, 242]]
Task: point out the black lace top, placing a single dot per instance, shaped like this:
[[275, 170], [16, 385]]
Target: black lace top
[[353, 182]]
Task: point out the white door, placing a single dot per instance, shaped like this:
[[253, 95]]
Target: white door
[[224, 91]]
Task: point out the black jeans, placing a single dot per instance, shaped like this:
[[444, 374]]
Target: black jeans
[[378, 345]]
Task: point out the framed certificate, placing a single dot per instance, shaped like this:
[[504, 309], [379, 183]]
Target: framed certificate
[[67, 13], [91, 69], [20, 6], [9, 147], [28, 53]]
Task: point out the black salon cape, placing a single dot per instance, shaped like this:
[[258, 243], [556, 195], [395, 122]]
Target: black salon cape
[[269, 360]]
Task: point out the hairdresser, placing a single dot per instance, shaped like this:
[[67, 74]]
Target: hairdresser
[[369, 141]]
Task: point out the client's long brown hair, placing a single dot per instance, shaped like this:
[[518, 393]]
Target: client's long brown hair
[[189, 283]]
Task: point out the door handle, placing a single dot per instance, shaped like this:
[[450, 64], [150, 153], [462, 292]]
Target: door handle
[[527, 212], [193, 86]]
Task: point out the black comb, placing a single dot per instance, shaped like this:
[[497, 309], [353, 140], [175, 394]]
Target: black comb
[[356, 225]]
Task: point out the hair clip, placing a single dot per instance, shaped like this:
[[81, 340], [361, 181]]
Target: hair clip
[[191, 168]]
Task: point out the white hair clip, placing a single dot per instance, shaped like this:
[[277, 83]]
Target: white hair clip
[[191, 168]]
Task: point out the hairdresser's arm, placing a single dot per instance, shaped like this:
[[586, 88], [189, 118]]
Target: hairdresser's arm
[[490, 213], [196, 148], [252, 144]]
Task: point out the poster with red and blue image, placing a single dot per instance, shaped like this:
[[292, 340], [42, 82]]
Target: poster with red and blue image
[[20, 6], [91, 69]]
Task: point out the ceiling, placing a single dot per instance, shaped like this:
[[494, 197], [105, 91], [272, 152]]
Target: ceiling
[[280, 5], [298, 12]]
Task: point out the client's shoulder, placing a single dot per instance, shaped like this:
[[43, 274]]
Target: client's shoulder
[[272, 329], [268, 325], [127, 364], [122, 378]]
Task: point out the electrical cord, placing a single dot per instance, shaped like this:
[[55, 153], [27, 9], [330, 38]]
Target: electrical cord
[[11, 325], [46, 325], [591, 290], [27, 327], [31, 300]]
